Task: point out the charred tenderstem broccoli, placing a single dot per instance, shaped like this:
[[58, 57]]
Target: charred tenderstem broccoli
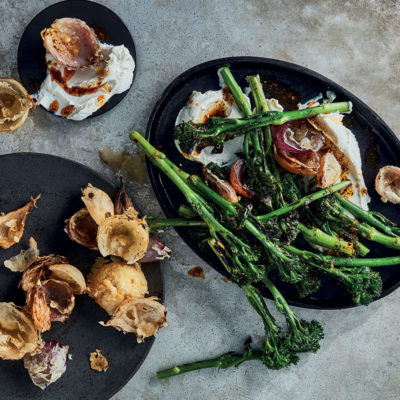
[[217, 129], [331, 209]]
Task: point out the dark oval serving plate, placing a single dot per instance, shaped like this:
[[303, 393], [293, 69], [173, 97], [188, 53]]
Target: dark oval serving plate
[[59, 181], [31, 52], [289, 83]]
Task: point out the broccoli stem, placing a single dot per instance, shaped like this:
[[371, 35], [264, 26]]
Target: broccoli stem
[[197, 183], [237, 127], [373, 218], [238, 95], [343, 261], [158, 224], [224, 361], [320, 238], [304, 201]]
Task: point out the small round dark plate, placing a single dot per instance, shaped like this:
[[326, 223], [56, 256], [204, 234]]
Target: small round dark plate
[[107, 25], [289, 83], [59, 182]]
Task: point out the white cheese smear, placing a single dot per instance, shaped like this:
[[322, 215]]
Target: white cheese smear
[[112, 76]]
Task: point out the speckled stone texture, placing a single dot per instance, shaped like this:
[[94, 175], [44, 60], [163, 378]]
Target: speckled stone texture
[[355, 43]]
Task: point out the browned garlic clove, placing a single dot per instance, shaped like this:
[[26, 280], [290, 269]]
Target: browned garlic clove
[[24, 259], [329, 170], [220, 186], [17, 332], [69, 274], [387, 184], [50, 301], [123, 236], [156, 251], [12, 225], [15, 103], [110, 283], [142, 316], [71, 42], [82, 229], [39, 270], [46, 364], [98, 203]]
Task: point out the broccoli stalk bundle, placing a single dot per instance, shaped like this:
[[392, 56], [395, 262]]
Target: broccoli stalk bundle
[[251, 247]]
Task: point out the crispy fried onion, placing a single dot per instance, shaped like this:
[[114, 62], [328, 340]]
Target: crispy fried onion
[[17, 332], [49, 301], [71, 42], [47, 363], [98, 203], [387, 184], [24, 259], [142, 316], [110, 283], [12, 225], [82, 229], [123, 236]]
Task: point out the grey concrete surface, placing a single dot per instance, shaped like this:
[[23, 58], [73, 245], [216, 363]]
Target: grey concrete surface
[[355, 43]]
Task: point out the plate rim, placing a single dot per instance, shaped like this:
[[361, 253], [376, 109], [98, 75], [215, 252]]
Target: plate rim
[[122, 95], [277, 63], [151, 340]]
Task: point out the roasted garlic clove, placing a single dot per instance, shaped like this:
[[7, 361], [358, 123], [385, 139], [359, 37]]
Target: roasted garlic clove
[[39, 310], [71, 42], [220, 186], [39, 270], [387, 184], [69, 274], [24, 259], [156, 251], [82, 229], [46, 364], [329, 170], [110, 283], [15, 103], [12, 225], [98, 203], [298, 163], [123, 236], [50, 301], [17, 333], [142, 316]]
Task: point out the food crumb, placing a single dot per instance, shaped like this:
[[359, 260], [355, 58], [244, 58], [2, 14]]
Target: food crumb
[[70, 357], [97, 361], [197, 272], [224, 279]]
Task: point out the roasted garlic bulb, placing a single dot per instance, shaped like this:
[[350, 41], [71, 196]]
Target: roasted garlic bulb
[[15, 103], [17, 333], [110, 283], [82, 229], [387, 184], [12, 225], [47, 363], [124, 237], [142, 316], [71, 42]]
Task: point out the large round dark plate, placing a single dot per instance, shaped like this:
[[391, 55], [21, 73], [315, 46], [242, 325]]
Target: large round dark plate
[[31, 52], [289, 83], [59, 182]]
